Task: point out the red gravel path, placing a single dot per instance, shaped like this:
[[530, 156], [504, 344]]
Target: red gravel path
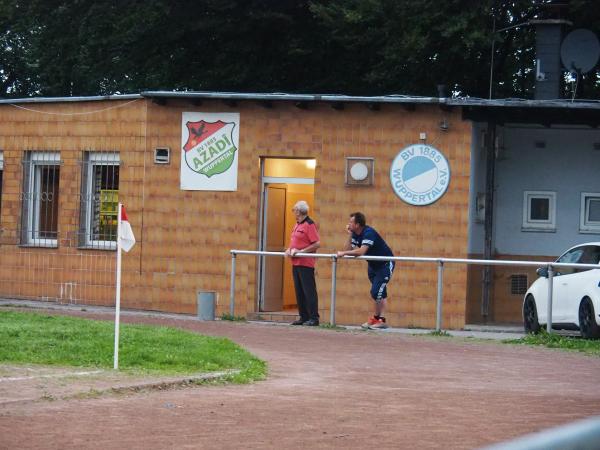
[[329, 389]]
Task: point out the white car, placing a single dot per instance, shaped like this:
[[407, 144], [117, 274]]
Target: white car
[[575, 295]]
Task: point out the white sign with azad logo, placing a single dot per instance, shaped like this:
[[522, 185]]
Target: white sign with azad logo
[[209, 151], [420, 174]]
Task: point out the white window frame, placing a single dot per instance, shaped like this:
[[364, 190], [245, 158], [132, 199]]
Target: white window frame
[[95, 159], [38, 160], [530, 224], [585, 225]]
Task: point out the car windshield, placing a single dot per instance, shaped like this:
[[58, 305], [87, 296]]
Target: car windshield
[[572, 256], [591, 255]]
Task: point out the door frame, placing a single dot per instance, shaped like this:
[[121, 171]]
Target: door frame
[[265, 181]]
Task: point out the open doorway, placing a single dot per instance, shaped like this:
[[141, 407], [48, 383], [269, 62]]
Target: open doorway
[[284, 182]]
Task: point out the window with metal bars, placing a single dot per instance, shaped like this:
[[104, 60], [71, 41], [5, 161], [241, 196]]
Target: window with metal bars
[[518, 284], [99, 200], [40, 192]]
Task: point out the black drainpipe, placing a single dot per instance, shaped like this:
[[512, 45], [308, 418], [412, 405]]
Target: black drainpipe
[[488, 248]]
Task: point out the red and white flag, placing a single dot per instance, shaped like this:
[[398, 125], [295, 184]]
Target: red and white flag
[[126, 238]]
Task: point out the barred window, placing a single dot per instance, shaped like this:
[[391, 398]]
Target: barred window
[[99, 200], [39, 217]]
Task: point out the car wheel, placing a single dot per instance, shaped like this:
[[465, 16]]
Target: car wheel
[[587, 320], [530, 317]]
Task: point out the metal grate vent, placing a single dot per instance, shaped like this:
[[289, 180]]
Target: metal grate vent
[[518, 284]]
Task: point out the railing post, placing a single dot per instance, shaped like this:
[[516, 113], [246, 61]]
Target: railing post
[[550, 289], [440, 294], [232, 286], [333, 286]]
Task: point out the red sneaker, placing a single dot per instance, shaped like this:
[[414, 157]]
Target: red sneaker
[[379, 324], [372, 321]]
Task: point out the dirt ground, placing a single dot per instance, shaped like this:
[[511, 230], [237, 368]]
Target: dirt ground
[[326, 389]]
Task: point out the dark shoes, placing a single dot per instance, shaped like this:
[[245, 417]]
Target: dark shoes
[[307, 323]]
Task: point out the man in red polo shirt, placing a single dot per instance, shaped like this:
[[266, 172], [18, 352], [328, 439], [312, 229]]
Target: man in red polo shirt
[[304, 239]]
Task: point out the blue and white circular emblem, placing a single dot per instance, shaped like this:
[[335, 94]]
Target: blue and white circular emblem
[[420, 174]]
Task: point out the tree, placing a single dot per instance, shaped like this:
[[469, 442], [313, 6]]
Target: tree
[[359, 47]]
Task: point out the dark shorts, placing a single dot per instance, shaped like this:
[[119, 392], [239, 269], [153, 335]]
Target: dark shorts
[[379, 279]]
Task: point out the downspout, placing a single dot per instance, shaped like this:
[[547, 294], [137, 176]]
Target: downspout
[[488, 248]]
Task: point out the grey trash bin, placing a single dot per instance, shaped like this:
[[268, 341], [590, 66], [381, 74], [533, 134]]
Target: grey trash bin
[[206, 305]]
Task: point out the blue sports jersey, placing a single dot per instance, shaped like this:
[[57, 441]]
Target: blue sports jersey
[[377, 246]]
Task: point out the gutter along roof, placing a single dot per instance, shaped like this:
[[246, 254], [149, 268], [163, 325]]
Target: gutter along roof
[[544, 112]]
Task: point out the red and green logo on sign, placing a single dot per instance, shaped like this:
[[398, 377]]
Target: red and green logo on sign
[[209, 149]]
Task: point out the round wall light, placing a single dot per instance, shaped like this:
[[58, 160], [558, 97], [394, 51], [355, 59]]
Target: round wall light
[[359, 171]]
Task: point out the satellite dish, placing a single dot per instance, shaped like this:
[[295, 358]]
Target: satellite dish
[[580, 51]]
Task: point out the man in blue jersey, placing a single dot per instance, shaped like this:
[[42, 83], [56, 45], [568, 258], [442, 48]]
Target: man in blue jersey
[[363, 240]]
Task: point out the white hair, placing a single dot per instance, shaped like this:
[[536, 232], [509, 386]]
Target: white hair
[[301, 207]]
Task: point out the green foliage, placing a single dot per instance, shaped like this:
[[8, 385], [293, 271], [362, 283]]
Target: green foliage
[[361, 47], [328, 326], [440, 333], [227, 316], [554, 340], [31, 338]]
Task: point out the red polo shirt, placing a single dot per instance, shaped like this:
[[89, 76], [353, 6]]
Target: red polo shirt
[[304, 234]]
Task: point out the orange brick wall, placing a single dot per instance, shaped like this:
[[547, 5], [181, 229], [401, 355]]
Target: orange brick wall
[[504, 307], [65, 274], [185, 236]]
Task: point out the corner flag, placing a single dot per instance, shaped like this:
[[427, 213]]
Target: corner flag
[[125, 241], [126, 237]]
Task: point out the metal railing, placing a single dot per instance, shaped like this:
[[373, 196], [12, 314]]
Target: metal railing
[[580, 435], [440, 274]]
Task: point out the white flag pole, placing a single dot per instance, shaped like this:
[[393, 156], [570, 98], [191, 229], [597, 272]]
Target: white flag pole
[[118, 289]]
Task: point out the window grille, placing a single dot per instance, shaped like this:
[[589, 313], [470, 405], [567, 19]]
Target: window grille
[[40, 194], [99, 200], [518, 284]]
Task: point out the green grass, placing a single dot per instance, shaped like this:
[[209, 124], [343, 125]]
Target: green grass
[[328, 326], [227, 316], [32, 338], [553, 340], [440, 333]]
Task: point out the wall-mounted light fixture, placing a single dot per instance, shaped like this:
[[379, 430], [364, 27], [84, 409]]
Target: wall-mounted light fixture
[[359, 171]]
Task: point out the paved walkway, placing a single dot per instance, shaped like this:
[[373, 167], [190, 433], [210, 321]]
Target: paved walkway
[[499, 332]]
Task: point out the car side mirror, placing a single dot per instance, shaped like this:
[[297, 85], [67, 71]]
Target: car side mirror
[[542, 272]]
